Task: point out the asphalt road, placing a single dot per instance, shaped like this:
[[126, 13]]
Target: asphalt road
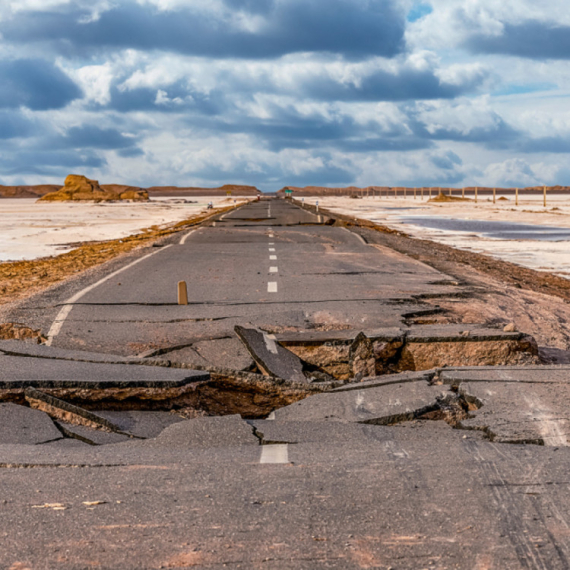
[[321, 485], [269, 264]]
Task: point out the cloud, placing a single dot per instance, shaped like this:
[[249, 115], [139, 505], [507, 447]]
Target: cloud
[[511, 173], [15, 125], [354, 28], [536, 40], [56, 163], [36, 84], [90, 136]]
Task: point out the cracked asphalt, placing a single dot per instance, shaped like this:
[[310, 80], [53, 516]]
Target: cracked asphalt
[[455, 467]]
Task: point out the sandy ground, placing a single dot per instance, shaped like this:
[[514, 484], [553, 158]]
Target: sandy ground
[[30, 229], [20, 279], [541, 255]]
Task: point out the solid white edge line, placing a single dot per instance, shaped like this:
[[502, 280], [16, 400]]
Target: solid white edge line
[[68, 305], [277, 453], [185, 237], [272, 287]]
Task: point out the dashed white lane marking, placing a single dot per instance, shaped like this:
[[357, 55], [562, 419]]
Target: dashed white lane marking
[[273, 257], [269, 340], [272, 287], [185, 237], [271, 243], [278, 453], [68, 305], [273, 270], [271, 236], [271, 249]]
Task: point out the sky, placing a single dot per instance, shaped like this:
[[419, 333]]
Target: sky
[[285, 92]]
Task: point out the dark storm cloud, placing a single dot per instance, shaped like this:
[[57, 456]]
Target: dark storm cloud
[[14, 125], [36, 84], [90, 136], [535, 40], [287, 128], [497, 135], [381, 85], [354, 28], [47, 162], [179, 98], [328, 174], [545, 144], [447, 161]]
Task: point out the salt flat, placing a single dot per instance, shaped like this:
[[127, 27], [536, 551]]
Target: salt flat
[[552, 256], [30, 229]]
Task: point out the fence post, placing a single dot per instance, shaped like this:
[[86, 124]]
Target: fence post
[[494, 195], [545, 196], [475, 194], [517, 197]]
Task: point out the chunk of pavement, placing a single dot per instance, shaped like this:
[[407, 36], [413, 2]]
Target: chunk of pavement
[[272, 432], [225, 353], [383, 405], [90, 435], [376, 381], [362, 359], [222, 431], [22, 425], [271, 358], [145, 424], [21, 348], [66, 412], [508, 414], [20, 372], [511, 374]]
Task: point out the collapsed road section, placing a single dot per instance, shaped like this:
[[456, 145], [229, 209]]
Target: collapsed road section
[[307, 407]]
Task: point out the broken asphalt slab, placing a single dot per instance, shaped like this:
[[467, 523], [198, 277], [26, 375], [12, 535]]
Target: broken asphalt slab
[[516, 374], [22, 425], [64, 411], [384, 405], [271, 358], [537, 414], [21, 372], [223, 431]]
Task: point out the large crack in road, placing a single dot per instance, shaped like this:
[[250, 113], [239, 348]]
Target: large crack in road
[[349, 413]]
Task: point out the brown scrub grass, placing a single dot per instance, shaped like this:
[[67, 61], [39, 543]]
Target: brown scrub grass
[[20, 279]]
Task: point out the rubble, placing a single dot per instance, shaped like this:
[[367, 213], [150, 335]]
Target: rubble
[[271, 358]]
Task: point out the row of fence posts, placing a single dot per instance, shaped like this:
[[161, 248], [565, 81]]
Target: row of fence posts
[[429, 189]]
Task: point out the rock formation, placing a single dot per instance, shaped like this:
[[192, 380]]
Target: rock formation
[[80, 188]]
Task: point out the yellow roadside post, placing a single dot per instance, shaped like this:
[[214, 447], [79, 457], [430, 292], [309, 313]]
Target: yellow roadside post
[[182, 293]]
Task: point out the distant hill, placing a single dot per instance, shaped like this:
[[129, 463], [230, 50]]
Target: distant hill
[[42, 189], [235, 189], [27, 191]]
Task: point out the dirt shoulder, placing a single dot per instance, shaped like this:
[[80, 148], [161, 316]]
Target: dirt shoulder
[[22, 279], [536, 302]]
